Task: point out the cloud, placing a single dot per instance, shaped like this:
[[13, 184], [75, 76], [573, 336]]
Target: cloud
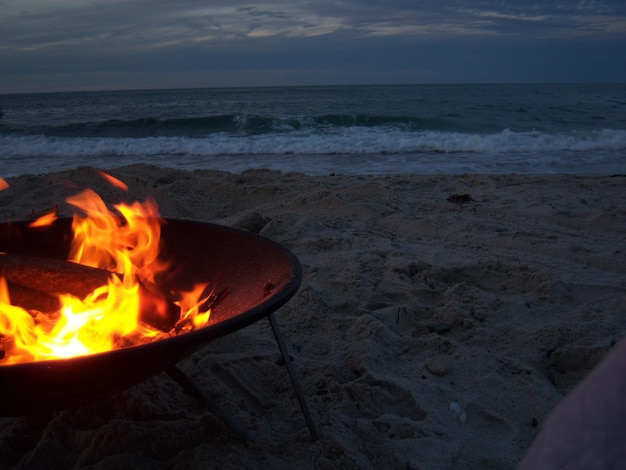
[[199, 43], [461, 17], [37, 24]]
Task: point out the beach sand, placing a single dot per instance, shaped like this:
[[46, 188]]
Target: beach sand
[[439, 321]]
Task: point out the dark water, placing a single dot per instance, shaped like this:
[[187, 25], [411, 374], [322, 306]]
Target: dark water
[[535, 129]]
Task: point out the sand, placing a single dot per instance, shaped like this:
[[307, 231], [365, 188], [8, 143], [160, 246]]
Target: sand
[[439, 321]]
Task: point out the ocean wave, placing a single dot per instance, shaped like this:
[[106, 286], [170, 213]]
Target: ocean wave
[[236, 124], [350, 140]]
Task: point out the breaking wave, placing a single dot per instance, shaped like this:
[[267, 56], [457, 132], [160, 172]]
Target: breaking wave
[[228, 123], [345, 140]]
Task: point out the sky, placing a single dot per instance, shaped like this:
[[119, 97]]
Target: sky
[[67, 45]]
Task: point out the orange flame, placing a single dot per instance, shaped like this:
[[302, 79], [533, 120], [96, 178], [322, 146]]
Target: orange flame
[[126, 243], [114, 181], [45, 220]]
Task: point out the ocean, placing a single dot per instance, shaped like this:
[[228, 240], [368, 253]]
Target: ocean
[[452, 129]]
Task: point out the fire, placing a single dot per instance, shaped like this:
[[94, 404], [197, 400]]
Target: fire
[[123, 245], [44, 220]]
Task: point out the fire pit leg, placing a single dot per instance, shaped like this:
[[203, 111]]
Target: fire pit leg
[[292, 376], [188, 386]]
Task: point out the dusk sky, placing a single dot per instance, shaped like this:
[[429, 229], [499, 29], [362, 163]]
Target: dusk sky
[[58, 45]]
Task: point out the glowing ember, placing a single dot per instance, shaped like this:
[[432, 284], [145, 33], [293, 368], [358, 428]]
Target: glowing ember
[[44, 220], [123, 245]]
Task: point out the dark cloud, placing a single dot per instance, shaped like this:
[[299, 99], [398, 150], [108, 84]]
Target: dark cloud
[[138, 43], [481, 17]]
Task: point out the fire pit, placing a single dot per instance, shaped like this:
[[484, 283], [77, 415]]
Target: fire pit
[[251, 275]]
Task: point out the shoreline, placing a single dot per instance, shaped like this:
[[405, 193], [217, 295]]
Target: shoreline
[[429, 331]]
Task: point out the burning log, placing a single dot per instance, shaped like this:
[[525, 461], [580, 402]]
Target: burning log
[[32, 299], [34, 282]]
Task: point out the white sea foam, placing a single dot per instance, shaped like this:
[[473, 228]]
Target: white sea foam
[[387, 149]]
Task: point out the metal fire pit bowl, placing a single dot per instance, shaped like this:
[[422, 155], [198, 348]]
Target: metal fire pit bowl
[[258, 275]]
